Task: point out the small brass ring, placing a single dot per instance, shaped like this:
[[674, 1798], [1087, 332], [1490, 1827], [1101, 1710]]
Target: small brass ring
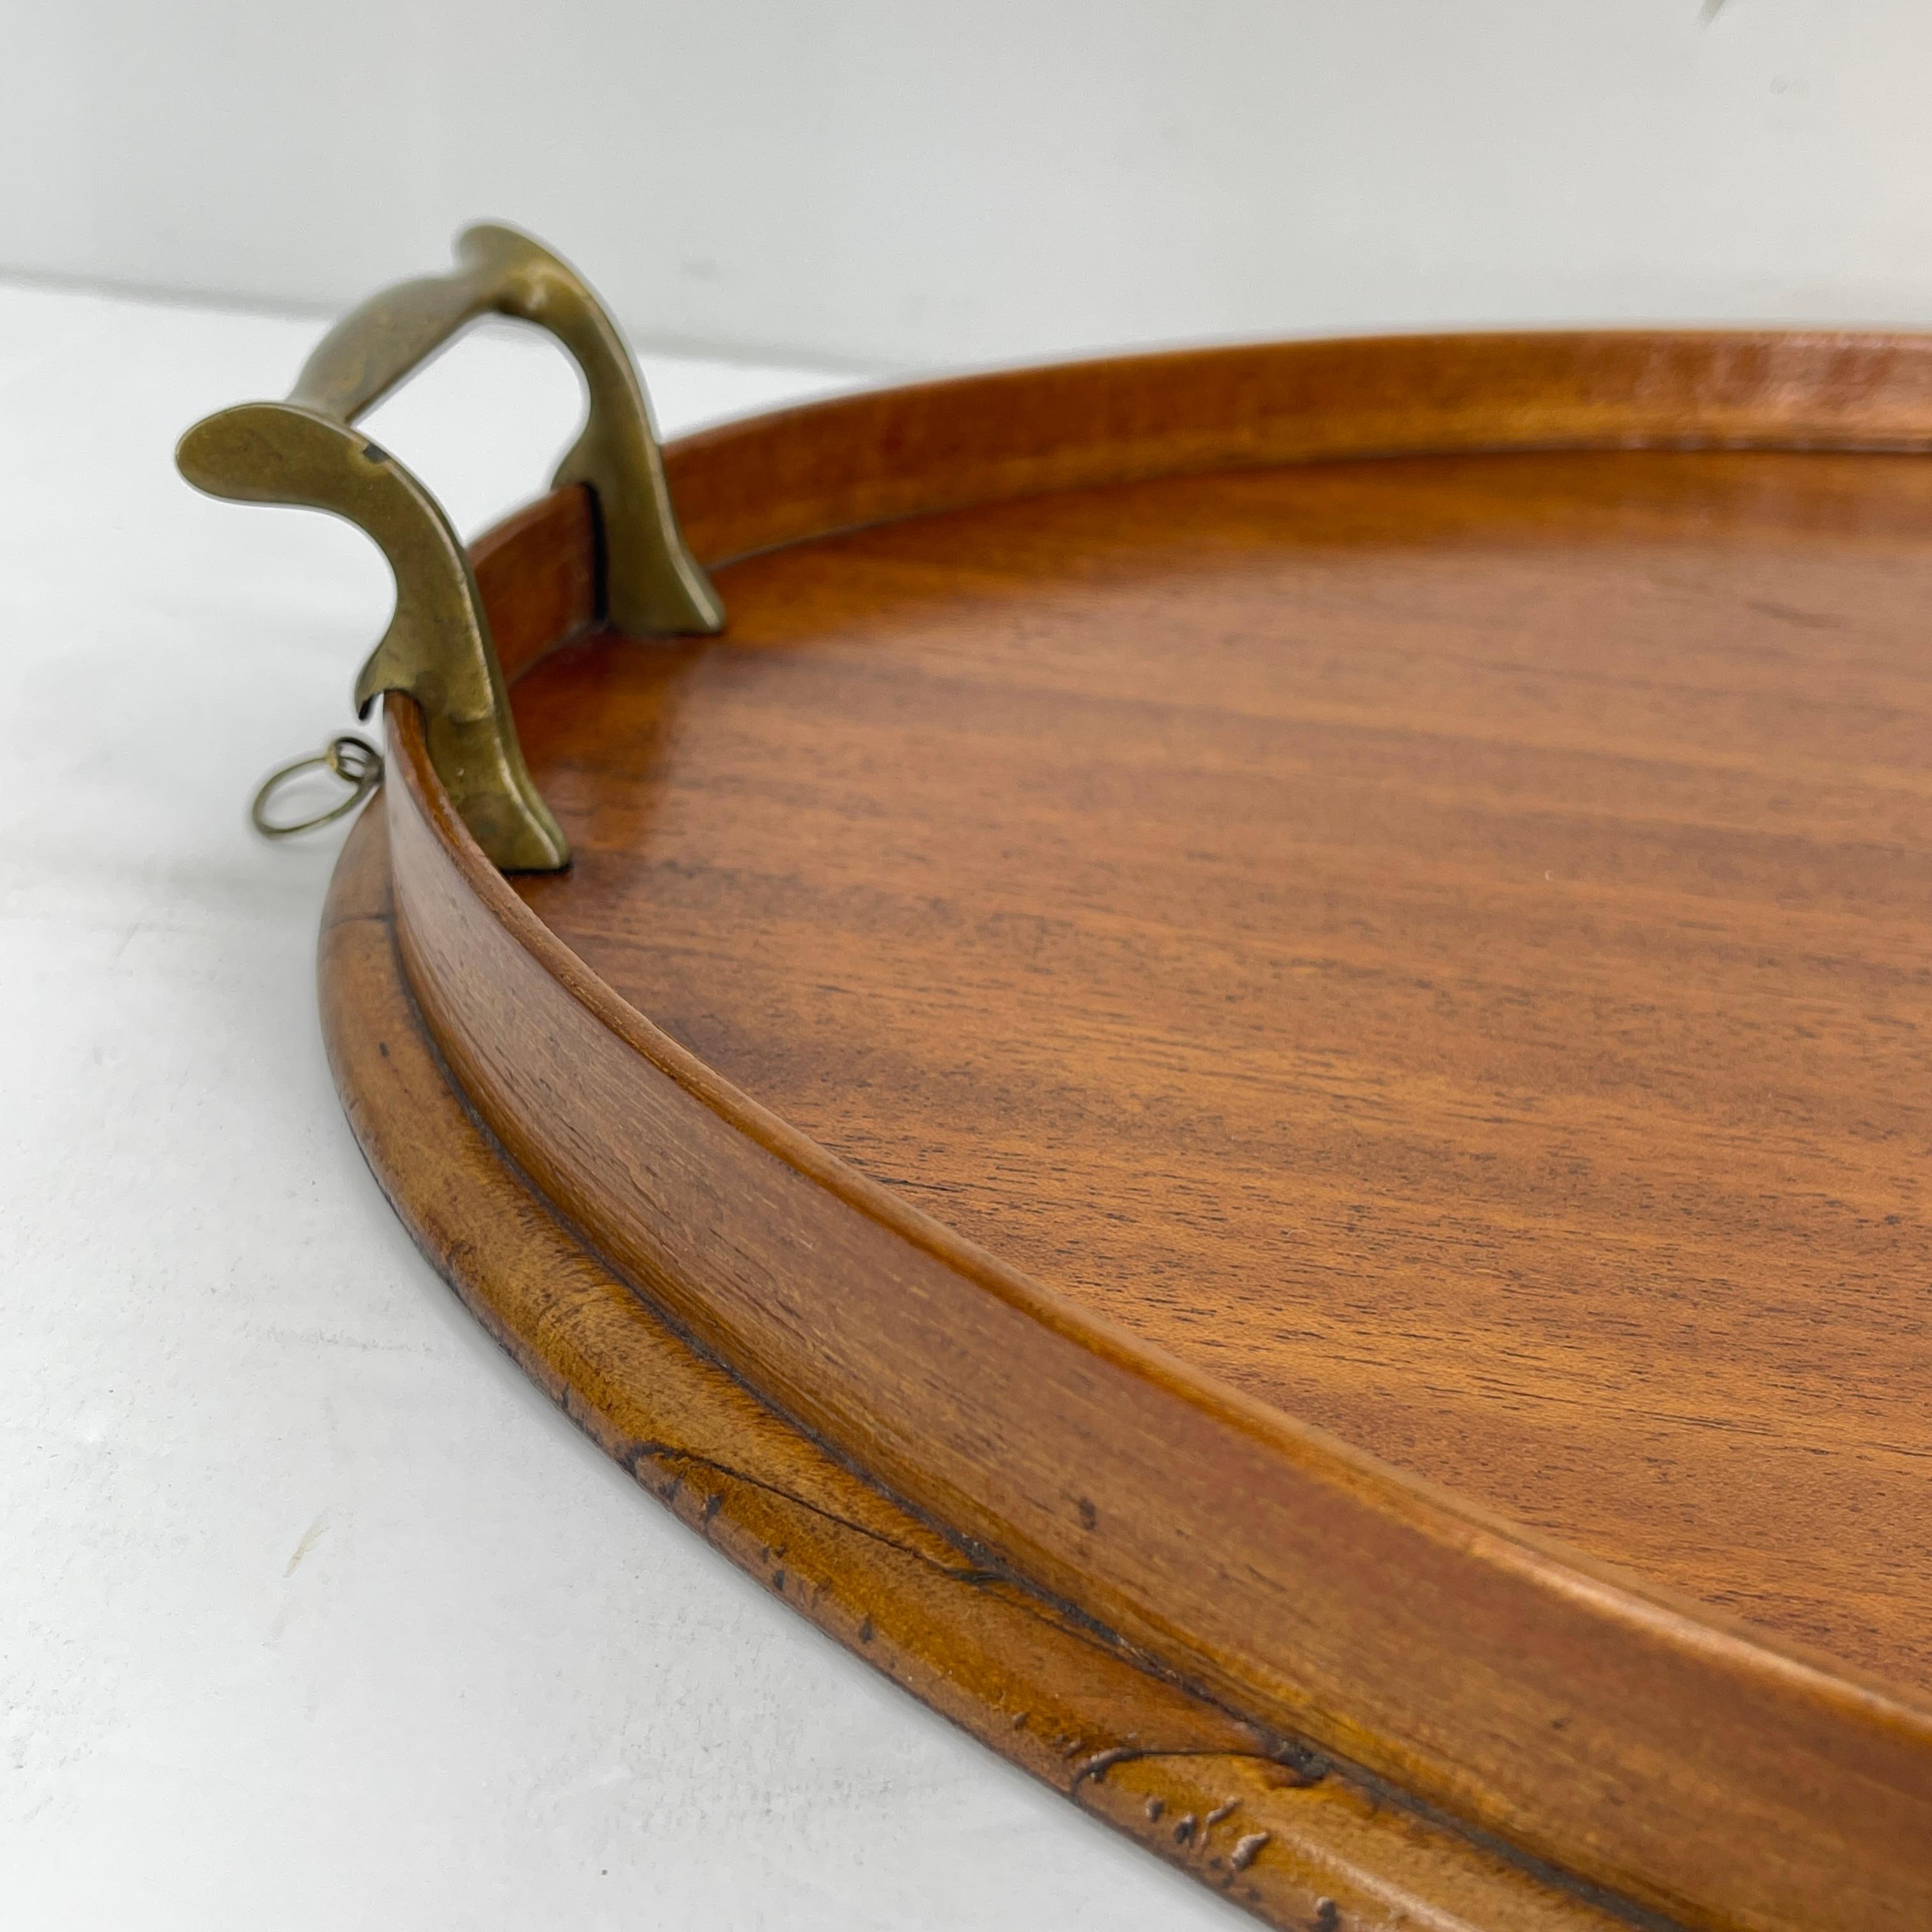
[[354, 760]]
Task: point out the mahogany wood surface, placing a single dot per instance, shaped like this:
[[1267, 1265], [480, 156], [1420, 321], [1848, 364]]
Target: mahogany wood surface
[[1294, 1838], [1444, 946], [1397, 988]]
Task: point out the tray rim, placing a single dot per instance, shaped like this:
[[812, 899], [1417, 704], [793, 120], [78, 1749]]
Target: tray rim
[[1273, 1825], [1602, 389]]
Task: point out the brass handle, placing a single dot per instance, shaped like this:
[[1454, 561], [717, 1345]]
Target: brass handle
[[438, 646]]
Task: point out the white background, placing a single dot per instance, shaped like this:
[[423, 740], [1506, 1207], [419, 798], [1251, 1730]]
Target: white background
[[906, 182], [313, 1614]]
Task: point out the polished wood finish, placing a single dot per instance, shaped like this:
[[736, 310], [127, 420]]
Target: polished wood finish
[[1296, 1838], [537, 572], [1445, 946], [865, 459], [1382, 976]]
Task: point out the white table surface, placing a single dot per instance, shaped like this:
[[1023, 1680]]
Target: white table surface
[[313, 1613]]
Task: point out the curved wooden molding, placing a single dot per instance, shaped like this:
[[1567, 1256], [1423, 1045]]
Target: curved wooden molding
[[1298, 1839]]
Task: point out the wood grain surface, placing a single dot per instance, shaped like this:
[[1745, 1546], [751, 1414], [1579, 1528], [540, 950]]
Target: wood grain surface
[[1269, 1821], [1445, 946], [1337, 1040]]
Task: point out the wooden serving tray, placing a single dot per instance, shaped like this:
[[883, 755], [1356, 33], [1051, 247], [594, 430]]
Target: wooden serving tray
[[1257, 1117]]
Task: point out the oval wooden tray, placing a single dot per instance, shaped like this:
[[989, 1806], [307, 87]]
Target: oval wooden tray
[[1258, 1116]]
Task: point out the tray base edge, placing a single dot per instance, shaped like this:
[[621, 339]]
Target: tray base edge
[[1293, 1839]]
